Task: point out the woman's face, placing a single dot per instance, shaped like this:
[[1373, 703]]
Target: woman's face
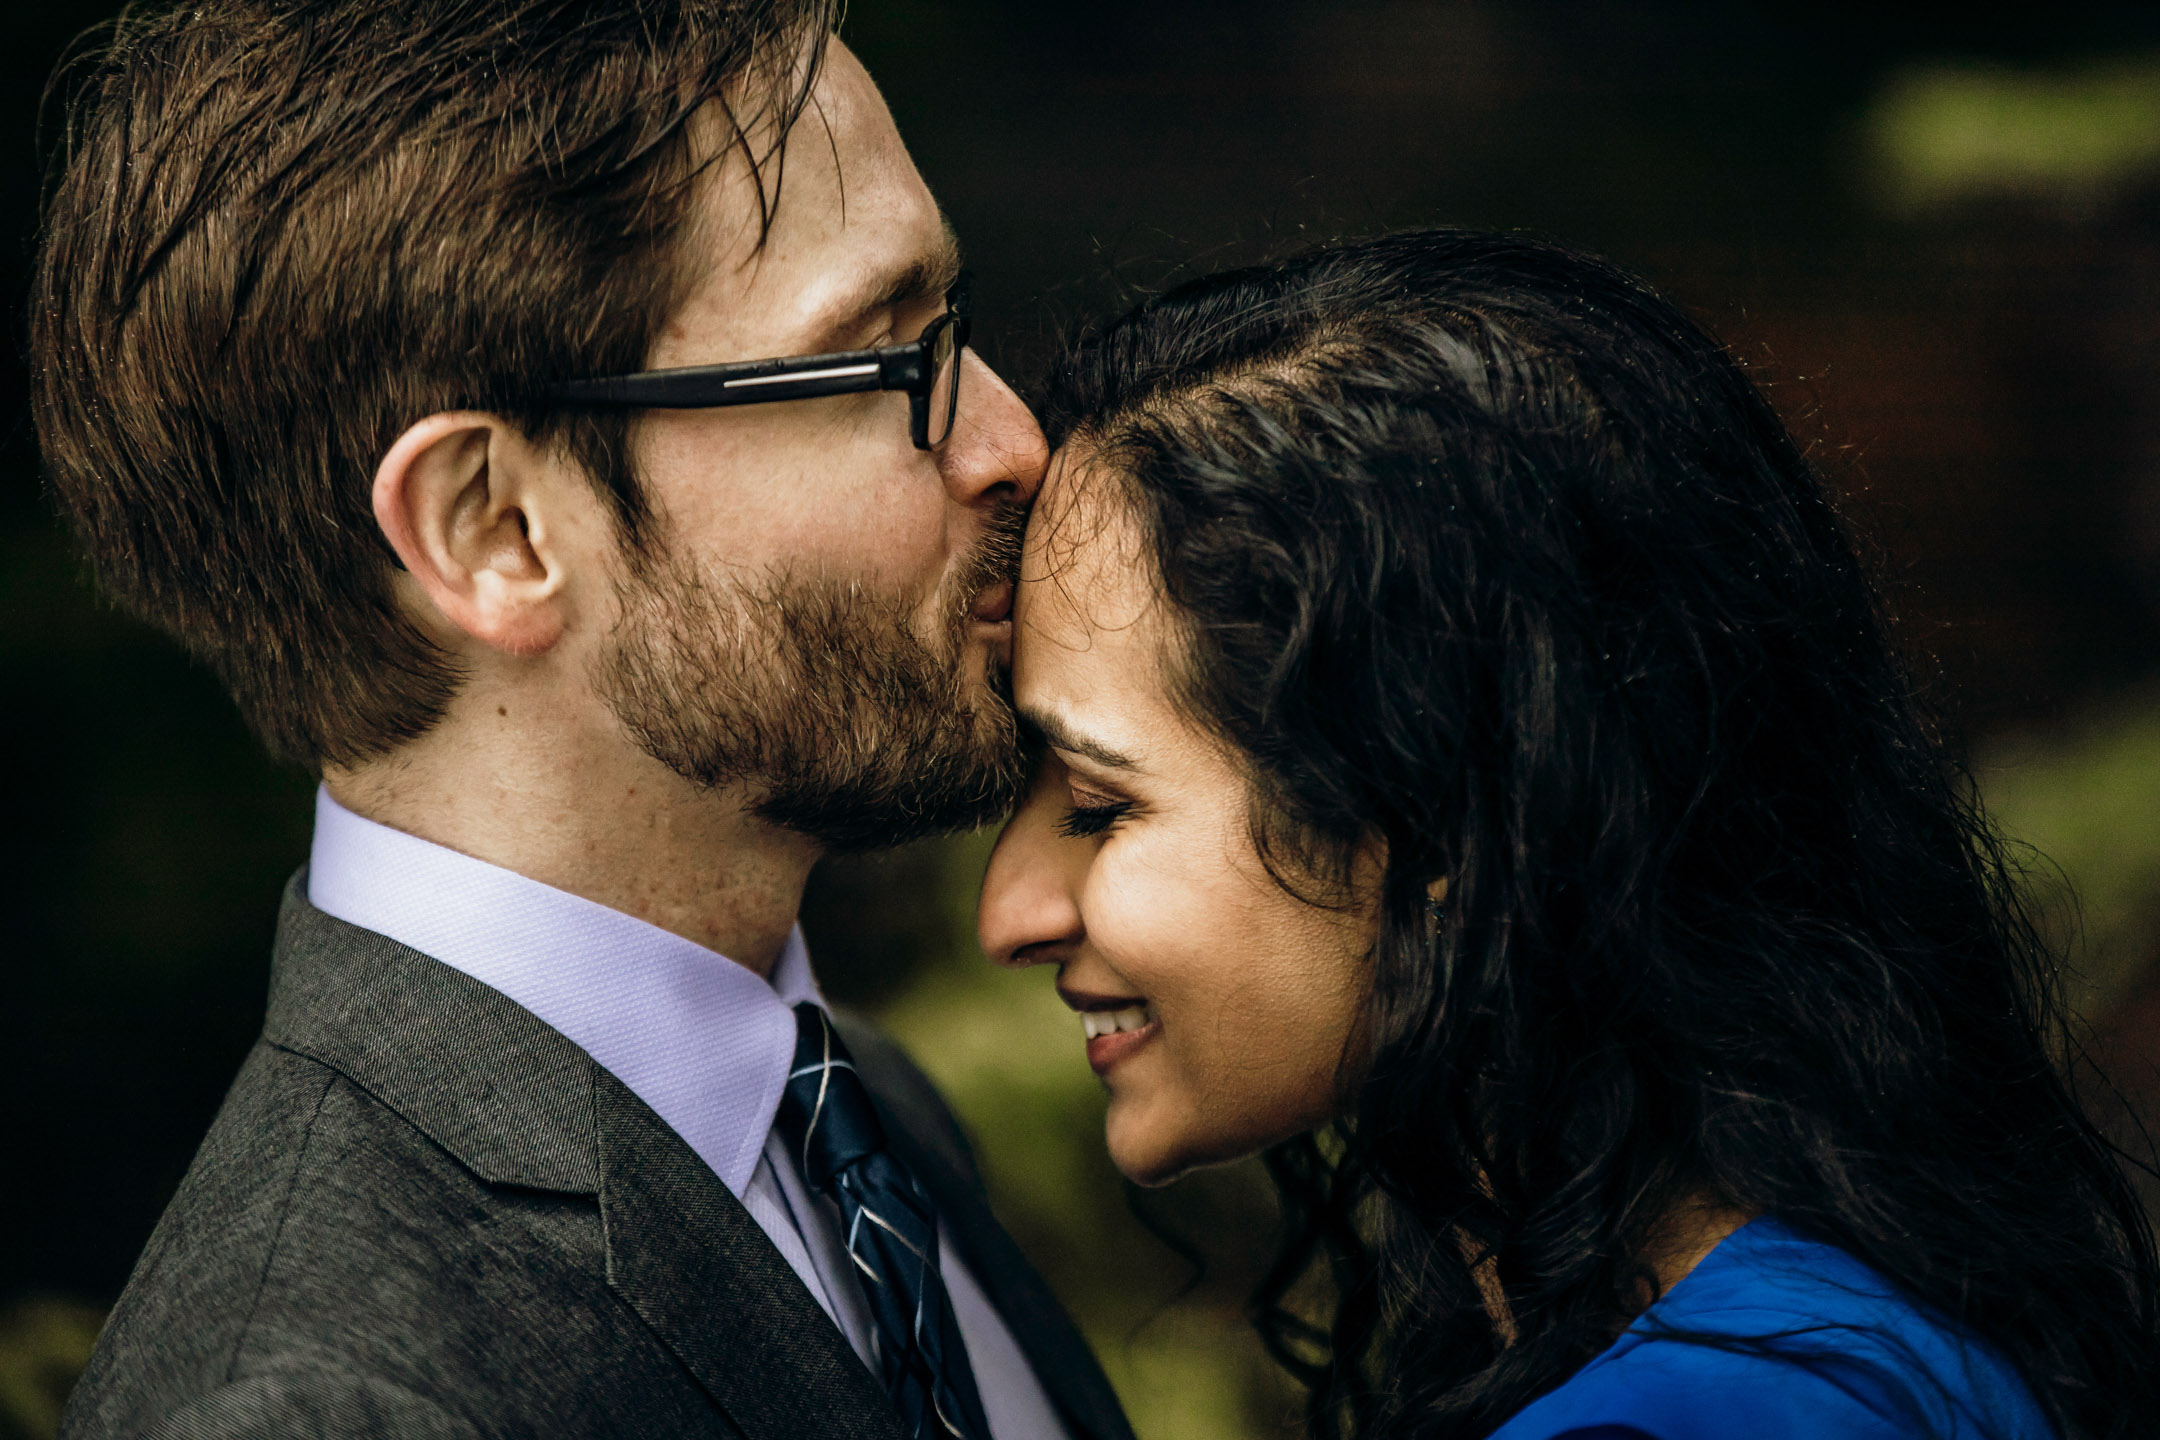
[[1216, 1007]]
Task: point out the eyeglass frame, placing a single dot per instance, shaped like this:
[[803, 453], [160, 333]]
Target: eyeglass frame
[[905, 367]]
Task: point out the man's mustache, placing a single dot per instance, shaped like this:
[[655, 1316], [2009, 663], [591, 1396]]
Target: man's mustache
[[994, 561]]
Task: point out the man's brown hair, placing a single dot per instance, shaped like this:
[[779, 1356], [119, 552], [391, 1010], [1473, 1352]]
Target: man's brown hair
[[282, 231]]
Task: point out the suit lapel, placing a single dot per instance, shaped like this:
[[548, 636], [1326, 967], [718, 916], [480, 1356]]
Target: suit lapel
[[684, 1254], [521, 1105]]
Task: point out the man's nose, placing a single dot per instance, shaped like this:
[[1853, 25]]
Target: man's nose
[[1030, 911], [995, 446]]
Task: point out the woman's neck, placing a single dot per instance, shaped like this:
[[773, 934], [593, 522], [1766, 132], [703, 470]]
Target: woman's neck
[[1690, 1230]]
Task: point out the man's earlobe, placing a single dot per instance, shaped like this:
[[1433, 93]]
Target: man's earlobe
[[460, 497]]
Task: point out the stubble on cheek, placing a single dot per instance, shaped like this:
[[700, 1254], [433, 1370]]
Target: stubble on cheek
[[824, 698]]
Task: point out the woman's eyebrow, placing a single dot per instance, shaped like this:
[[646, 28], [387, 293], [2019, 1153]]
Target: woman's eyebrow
[[1054, 732]]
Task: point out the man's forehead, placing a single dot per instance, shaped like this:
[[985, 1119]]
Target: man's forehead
[[796, 297], [852, 228]]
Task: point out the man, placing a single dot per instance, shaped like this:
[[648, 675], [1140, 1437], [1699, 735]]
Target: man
[[548, 1130]]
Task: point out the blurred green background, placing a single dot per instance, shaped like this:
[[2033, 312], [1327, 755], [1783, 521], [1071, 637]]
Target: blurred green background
[[1934, 233]]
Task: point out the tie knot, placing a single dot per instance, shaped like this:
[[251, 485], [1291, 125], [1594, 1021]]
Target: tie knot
[[826, 1116]]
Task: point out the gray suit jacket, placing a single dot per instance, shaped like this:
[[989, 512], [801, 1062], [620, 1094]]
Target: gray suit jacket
[[423, 1212]]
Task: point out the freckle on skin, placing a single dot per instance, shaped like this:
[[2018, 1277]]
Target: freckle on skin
[[502, 709]]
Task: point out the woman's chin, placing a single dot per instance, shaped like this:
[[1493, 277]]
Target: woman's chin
[[1152, 1153], [1145, 1150], [1149, 1172]]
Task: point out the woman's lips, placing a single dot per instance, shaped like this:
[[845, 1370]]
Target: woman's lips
[[1113, 1034]]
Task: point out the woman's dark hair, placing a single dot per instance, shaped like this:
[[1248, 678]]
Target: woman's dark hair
[[1481, 549]]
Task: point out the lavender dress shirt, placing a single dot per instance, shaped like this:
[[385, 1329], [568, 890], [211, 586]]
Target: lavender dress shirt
[[699, 1038]]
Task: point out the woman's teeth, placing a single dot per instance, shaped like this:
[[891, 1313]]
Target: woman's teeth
[[1110, 1022]]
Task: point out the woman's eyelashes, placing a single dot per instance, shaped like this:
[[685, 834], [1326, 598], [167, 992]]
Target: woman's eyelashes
[[1092, 815]]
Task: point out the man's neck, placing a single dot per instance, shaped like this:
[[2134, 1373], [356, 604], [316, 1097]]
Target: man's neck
[[600, 821]]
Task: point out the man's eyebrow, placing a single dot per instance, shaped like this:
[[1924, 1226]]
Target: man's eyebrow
[[927, 277], [1054, 732]]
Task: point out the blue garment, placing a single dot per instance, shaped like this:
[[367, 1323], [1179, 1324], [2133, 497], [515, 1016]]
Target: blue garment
[[1865, 1363]]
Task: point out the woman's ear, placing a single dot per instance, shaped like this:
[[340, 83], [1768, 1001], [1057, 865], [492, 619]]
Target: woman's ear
[[463, 498]]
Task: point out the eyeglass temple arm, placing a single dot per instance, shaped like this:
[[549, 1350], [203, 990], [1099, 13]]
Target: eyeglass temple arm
[[754, 382]]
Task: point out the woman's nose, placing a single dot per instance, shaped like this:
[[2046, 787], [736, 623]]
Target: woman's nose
[[1030, 911]]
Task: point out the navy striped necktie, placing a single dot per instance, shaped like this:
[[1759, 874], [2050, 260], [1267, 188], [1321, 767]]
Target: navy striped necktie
[[828, 1123]]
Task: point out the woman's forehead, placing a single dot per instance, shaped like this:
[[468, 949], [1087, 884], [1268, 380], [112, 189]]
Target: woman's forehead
[[1084, 566], [1087, 635]]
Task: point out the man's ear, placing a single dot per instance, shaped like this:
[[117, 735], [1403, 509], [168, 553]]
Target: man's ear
[[465, 501]]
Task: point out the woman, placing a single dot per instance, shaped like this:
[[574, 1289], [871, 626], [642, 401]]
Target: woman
[[1474, 772]]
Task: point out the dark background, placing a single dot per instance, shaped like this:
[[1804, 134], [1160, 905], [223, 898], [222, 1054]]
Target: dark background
[[1973, 349]]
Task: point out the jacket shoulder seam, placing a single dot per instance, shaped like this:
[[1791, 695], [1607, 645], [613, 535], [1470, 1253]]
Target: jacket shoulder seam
[[270, 1254]]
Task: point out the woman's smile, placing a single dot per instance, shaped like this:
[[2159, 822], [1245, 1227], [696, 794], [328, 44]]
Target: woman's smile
[[1114, 1027]]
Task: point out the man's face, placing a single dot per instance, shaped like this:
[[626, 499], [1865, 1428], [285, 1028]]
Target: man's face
[[824, 610]]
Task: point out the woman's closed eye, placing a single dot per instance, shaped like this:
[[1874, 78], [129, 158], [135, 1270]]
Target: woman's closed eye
[[1092, 813]]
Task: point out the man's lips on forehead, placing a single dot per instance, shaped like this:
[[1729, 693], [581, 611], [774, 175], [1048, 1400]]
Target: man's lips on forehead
[[984, 580]]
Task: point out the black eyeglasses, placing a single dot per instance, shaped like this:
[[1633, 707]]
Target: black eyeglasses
[[927, 368]]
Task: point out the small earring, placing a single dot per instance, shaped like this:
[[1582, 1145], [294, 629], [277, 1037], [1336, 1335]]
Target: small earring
[[1435, 895]]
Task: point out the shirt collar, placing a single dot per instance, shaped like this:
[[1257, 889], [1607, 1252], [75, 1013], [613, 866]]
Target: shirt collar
[[699, 1038]]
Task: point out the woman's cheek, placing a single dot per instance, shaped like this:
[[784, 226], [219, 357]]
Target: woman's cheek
[[1137, 907], [1146, 926]]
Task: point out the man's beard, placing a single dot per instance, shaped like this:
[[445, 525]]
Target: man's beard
[[843, 723]]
